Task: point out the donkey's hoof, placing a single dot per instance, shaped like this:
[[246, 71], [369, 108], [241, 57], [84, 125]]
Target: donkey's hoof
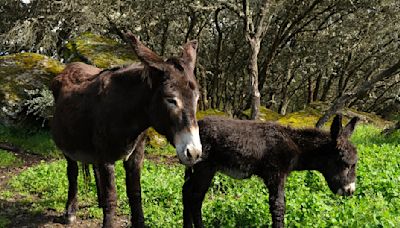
[[70, 219]]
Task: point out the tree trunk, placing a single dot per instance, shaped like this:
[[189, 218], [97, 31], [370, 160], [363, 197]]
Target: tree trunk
[[317, 85], [253, 75], [309, 90], [202, 78]]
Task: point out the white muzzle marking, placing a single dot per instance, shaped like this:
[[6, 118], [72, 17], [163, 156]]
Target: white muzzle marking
[[188, 146], [348, 189]]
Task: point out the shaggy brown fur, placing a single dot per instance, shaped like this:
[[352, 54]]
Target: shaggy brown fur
[[241, 149], [101, 117]]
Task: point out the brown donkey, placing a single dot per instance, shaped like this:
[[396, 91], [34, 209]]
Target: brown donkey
[[241, 149], [101, 117]]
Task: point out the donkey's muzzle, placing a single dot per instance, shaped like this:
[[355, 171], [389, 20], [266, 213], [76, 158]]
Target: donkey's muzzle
[[188, 146], [347, 190]]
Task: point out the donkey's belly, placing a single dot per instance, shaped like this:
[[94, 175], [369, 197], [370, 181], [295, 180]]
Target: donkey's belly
[[242, 172], [82, 156], [91, 157]]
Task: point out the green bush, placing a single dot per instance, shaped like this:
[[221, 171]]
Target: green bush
[[40, 104]]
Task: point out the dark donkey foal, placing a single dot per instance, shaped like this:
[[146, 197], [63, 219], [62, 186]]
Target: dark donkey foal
[[241, 149], [101, 117]]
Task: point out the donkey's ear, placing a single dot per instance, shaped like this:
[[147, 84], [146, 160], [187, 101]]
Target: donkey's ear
[[336, 127], [189, 54], [145, 55], [348, 130]]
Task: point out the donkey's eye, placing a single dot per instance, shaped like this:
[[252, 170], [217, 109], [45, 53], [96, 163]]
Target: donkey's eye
[[172, 101]]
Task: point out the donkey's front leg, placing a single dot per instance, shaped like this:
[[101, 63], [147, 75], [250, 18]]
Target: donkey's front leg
[[133, 189], [108, 192], [276, 188], [71, 206]]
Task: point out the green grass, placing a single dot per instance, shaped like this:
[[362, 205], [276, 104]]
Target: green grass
[[33, 141], [233, 203], [8, 159], [4, 221]]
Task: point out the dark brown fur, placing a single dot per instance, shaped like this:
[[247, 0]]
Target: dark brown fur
[[244, 148], [101, 117]]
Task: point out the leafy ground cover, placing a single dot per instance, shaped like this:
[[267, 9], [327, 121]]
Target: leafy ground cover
[[233, 203], [8, 159]]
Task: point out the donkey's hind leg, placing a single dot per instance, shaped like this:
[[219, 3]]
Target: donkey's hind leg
[[71, 206], [133, 167], [193, 192], [100, 194]]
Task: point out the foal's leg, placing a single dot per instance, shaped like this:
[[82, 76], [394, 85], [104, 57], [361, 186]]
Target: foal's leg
[[194, 191], [71, 206], [108, 193], [133, 189], [186, 195], [276, 188]]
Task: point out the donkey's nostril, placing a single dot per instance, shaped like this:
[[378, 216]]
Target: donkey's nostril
[[188, 154]]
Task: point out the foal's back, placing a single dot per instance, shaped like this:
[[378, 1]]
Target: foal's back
[[241, 148]]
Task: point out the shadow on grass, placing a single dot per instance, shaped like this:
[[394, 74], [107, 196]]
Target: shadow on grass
[[19, 214]]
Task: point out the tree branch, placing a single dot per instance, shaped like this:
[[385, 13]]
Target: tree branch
[[360, 92]]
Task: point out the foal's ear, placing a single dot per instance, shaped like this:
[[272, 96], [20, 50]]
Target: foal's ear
[[189, 54], [144, 53], [348, 130], [336, 127]]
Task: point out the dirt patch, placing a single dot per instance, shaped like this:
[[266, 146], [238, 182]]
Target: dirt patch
[[162, 159]]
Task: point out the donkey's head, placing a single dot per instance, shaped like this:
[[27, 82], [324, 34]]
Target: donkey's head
[[340, 169], [172, 111]]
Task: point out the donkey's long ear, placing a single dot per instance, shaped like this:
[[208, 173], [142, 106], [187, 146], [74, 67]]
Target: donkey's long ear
[[348, 130], [336, 127], [145, 55], [189, 54]]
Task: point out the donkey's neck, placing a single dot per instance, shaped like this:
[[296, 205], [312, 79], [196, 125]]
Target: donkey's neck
[[131, 83], [311, 144]]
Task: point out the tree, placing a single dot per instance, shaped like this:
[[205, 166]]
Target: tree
[[298, 52]]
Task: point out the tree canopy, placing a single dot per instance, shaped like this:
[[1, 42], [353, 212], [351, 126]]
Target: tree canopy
[[342, 52]]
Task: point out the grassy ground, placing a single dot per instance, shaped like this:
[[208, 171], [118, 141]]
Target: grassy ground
[[8, 159], [33, 141], [233, 203]]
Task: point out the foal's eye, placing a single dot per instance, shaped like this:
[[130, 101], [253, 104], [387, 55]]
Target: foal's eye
[[172, 101]]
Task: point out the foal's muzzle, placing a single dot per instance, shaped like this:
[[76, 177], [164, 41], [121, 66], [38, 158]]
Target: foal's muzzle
[[347, 190], [188, 146]]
